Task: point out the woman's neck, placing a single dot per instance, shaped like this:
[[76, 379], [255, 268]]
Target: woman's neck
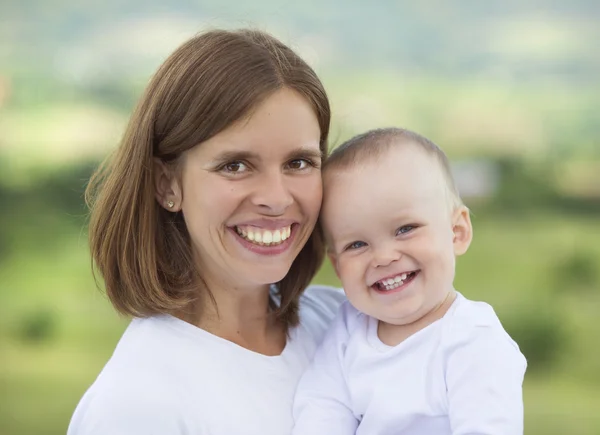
[[242, 316]]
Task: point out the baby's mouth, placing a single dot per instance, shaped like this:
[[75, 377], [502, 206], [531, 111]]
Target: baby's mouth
[[394, 282]]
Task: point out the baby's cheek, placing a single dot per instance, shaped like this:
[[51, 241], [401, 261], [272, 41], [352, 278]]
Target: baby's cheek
[[343, 269], [433, 247], [348, 272]]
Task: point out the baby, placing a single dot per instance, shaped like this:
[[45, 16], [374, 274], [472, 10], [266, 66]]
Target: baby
[[407, 353]]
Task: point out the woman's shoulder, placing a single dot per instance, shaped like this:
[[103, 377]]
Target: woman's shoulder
[[122, 399], [124, 402]]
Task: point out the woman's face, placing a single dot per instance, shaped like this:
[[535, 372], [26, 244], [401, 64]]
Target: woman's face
[[251, 194]]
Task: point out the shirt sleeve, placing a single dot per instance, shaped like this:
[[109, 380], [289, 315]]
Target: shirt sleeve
[[125, 414], [484, 378], [322, 402]]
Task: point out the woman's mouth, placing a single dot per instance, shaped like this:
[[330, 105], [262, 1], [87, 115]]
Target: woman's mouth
[[264, 237], [395, 282]]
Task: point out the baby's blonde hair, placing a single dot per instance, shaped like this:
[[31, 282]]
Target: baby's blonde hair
[[374, 144]]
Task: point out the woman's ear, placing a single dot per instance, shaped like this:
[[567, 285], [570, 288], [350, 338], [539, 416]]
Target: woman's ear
[[462, 229], [166, 187]]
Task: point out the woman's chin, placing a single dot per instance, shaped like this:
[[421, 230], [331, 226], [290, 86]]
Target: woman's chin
[[271, 275]]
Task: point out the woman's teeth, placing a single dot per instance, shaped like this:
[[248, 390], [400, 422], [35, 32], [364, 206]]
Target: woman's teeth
[[262, 237], [393, 283]]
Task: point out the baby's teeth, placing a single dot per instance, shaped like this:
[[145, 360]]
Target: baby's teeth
[[397, 279], [403, 276]]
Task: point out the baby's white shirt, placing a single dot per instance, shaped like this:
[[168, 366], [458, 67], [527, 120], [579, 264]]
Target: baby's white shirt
[[462, 374]]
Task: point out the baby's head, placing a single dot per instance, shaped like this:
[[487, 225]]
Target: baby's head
[[394, 223]]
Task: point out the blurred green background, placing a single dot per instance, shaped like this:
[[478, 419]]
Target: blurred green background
[[510, 90]]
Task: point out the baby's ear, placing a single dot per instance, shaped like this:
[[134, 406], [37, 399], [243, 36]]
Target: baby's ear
[[462, 229], [333, 259]]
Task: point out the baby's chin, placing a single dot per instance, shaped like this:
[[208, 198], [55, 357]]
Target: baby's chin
[[402, 313], [396, 321], [411, 313]]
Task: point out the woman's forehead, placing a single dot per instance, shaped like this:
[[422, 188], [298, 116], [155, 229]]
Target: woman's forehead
[[283, 122]]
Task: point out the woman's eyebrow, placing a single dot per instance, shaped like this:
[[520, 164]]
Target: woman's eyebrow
[[233, 155], [314, 154]]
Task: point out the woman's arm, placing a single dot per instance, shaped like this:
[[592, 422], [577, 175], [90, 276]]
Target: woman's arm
[[322, 403]]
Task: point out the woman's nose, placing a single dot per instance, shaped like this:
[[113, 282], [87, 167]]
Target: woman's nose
[[272, 193]]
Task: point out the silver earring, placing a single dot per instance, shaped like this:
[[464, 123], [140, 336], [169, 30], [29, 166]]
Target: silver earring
[[170, 204]]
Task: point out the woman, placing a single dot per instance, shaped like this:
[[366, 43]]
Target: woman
[[202, 228]]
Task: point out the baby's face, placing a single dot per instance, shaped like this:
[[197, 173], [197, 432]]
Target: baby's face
[[392, 236]]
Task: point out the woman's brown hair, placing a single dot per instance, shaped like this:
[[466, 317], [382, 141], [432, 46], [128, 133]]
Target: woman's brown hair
[[142, 251]]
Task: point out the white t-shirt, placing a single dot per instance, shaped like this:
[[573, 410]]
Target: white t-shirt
[[168, 377], [460, 375]]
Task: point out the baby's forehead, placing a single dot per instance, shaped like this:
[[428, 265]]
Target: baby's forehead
[[410, 178], [408, 160]]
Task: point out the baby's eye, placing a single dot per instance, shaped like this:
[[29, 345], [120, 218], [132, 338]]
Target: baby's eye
[[405, 229], [355, 245], [235, 167]]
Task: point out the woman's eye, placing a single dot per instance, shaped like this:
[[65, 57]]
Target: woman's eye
[[299, 164], [355, 245], [235, 167], [405, 229]]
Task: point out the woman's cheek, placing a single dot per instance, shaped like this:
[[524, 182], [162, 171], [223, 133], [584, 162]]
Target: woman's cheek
[[310, 193]]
